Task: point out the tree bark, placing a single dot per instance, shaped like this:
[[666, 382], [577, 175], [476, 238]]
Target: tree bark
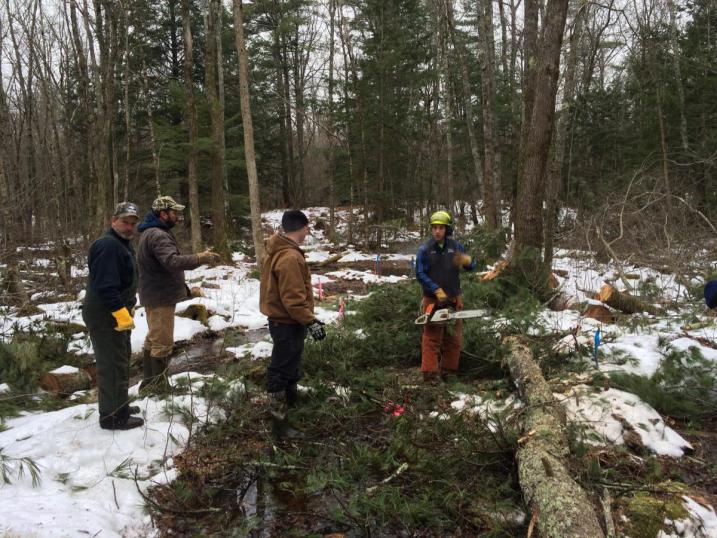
[[249, 153], [191, 122], [219, 227], [538, 134], [562, 508], [467, 101], [492, 172], [624, 302], [555, 171]]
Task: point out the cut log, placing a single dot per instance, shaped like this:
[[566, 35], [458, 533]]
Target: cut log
[[564, 509], [600, 313], [624, 302], [328, 261], [66, 383]]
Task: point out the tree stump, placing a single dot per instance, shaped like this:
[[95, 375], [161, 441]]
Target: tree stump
[[600, 313], [559, 504], [624, 302], [66, 383]]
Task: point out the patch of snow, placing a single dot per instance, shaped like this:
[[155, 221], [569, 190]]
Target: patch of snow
[[701, 523], [600, 413], [257, 350], [86, 473], [4, 387], [65, 369]]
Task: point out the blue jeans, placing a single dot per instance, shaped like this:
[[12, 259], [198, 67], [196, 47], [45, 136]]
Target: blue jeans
[[284, 370]]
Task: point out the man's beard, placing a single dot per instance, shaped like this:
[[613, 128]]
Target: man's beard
[[125, 235], [170, 223]]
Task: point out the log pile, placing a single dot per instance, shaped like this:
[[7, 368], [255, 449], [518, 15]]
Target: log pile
[[558, 504]]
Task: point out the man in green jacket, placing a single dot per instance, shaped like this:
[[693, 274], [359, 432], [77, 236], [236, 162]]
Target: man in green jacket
[[286, 297], [162, 285], [107, 311]]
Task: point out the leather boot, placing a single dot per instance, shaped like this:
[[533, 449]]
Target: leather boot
[[120, 423]]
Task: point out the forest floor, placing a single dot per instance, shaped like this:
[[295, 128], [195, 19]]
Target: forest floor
[[383, 453]]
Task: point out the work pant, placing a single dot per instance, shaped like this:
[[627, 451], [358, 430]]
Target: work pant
[[441, 344], [285, 367], [160, 338], [112, 354]]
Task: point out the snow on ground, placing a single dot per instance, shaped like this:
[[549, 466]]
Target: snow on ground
[[83, 491], [701, 523], [609, 415], [86, 473]]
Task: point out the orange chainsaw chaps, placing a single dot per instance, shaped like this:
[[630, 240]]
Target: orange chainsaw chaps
[[440, 346]]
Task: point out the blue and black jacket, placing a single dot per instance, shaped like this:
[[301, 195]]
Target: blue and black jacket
[[434, 267], [112, 283]]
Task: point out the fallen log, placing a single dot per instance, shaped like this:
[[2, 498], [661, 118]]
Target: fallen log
[[328, 261], [561, 507], [624, 302]]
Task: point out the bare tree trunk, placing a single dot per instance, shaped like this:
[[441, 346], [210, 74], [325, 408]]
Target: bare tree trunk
[[467, 103], [346, 43], [448, 99], [534, 155], [150, 124], [250, 156], [492, 177], [191, 121], [107, 35], [332, 134], [555, 171], [674, 45], [219, 227]]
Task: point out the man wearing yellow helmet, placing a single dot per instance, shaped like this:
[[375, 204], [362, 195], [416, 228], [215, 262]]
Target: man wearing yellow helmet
[[438, 264]]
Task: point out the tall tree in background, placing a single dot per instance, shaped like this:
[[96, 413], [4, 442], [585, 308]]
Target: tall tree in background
[[249, 153], [190, 118], [491, 183], [216, 110]]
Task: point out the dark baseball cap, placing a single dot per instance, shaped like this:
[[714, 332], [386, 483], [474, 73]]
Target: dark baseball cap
[[126, 209]]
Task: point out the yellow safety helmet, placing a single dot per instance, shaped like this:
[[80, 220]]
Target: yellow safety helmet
[[441, 217]]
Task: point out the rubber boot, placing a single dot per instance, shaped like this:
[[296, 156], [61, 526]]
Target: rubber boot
[[160, 365], [146, 370], [278, 409]]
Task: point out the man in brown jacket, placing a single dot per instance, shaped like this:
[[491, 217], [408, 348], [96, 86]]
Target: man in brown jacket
[[161, 285], [286, 297]]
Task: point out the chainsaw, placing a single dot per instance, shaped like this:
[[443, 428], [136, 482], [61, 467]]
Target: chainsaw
[[447, 315]]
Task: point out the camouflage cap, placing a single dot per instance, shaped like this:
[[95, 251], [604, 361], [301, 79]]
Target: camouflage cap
[[166, 202], [126, 209]]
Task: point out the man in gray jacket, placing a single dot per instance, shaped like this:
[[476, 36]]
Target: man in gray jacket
[[162, 286]]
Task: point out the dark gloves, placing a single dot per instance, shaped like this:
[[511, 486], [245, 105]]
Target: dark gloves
[[316, 330]]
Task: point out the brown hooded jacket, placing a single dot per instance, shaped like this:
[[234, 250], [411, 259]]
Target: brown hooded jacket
[[286, 294]]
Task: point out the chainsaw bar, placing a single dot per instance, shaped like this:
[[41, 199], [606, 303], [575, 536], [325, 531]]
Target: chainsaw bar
[[446, 315]]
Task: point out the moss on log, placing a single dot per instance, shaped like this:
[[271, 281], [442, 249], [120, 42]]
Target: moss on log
[[562, 508]]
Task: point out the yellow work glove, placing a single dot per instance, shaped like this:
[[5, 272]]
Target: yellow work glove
[[208, 256], [124, 320], [461, 259], [441, 295]]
